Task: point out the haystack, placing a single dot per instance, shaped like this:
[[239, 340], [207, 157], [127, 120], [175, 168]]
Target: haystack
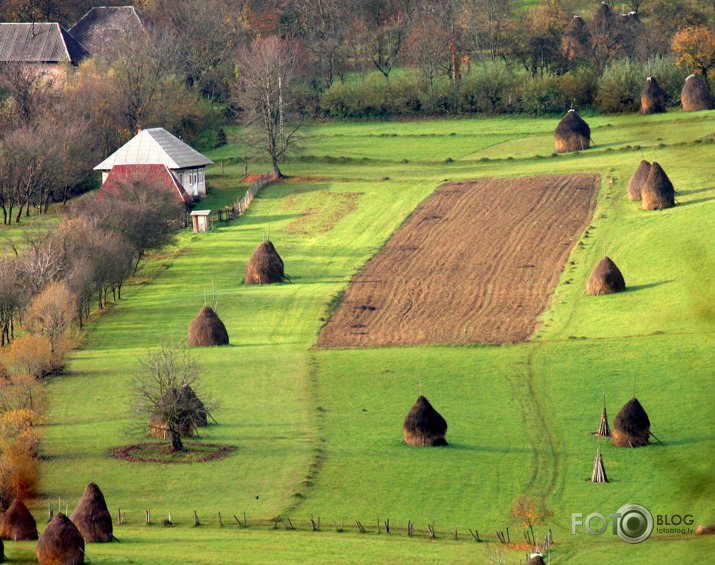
[[696, 95], [17, 523], [599, 471], [424, 426], [207, 329], [536, 559], [605, 278], [638, 180], [652, 98], [265, 265], [631, 428], [576, 41], [92, 516], [657, 191], [191, 413], [572, 134], [60, 543]]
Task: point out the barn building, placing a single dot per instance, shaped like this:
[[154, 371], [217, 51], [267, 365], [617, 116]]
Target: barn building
[[45, 48], [156, 146], [103, 27]]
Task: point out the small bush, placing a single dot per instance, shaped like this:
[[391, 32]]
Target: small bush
[[32, 354], [490, 88], [541, 95], [620, 86]]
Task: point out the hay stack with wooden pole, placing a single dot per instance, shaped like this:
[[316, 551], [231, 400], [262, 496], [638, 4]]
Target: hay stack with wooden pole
[[577, 40], [265, 265], [696, 95], [536, 559], [17, 523], [606, 278], [657, 192], [652, 98], [631, 427], [572, 134], [92, 516], [424, 426], [60, 543], [190, 412], [207, 330], [638, 180], [599, 471]]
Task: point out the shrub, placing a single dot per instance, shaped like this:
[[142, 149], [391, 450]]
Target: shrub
[[541, 95], [51, 314], [489, 88], [19, 443], [32, 354], [620, 86], [578, 87]]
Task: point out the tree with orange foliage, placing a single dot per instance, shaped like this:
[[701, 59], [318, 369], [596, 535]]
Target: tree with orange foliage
[[694, 46], [52, 314], [528, 510], [19, 444]]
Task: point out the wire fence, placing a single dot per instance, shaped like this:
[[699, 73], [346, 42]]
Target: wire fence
[[241, 205]]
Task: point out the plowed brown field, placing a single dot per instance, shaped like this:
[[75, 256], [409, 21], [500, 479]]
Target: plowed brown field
[[475, 263]]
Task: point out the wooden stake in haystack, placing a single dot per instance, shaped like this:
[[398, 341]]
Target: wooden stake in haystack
[[599, 472]]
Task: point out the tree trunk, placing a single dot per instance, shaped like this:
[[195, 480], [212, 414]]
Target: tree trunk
[[176, 443]]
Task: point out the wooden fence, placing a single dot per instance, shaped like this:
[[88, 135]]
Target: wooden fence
[[240, 206]]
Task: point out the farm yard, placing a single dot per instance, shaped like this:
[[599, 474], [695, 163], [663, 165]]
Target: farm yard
[[316, 430]]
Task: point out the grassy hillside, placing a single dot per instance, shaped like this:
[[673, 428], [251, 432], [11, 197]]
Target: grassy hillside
[[319, 432]]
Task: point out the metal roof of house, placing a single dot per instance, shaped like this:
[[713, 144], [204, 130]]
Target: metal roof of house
[[38, 43], [155, 146], [103, 25]]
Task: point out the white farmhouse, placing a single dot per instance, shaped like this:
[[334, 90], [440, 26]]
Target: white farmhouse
[[156, 146]]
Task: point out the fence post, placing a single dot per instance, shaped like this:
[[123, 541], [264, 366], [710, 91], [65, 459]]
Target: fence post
[[196, 519]]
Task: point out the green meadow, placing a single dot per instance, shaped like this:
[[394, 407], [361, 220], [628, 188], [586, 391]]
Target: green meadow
[[318, 432]]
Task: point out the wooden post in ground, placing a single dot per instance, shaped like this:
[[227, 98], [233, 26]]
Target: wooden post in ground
[[196, 519]]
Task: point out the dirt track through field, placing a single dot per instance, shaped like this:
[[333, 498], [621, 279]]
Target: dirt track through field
[[475, 263]]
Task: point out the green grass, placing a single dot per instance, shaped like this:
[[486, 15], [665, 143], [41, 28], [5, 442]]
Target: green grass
[[318, 432]]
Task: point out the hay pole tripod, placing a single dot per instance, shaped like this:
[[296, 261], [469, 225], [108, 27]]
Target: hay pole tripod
[[656, 439]]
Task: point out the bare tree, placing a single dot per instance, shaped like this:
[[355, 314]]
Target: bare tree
[[12, 299], [158, 392], [482, 22], [269, 70]]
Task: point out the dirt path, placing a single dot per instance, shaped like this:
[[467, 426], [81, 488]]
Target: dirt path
[[476, 263]]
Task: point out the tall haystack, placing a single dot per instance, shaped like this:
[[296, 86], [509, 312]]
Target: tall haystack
[[92, 516], [424, 426], [696, 95], [17, 523], [638, 180], [652, 98], [60, 543], [536, 559], [657, 191], [599, 471], [606, 278], [572, 134], [631, 427], [265, 265], [189, 409], [576, 40], [207, 329]]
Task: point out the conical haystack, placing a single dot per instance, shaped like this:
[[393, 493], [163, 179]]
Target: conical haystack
[[60, 543], [536, 559], [92, 516], [17, 523], [599, 471], [265, 265], [657, 191], [631, 427], [696, 95], [638, 180], [572, 134], [207, 329], [576, 40], [424, 426], [652, 98], [189, 410], [606, 278]]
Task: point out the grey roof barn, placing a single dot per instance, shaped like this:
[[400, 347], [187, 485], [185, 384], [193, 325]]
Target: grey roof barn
[[101, 27], [157, 146], [39, 43]]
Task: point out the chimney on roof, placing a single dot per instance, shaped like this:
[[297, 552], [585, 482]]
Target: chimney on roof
[[139, 130]]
